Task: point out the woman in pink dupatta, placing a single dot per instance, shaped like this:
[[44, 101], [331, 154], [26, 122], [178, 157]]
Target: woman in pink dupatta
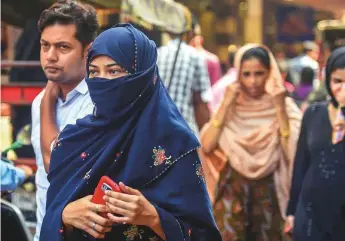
[[254, 134]]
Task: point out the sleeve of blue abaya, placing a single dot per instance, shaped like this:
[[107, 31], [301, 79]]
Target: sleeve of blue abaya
[[184, 207], [301, 165]]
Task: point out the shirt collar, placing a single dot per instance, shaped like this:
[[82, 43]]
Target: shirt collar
[[175, 41], [80, 89]]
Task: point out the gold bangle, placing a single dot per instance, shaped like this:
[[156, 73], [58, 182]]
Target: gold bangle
[[285, 133], [216, 123]]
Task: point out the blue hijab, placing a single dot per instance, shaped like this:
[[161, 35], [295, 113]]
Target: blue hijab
[[136, 135]]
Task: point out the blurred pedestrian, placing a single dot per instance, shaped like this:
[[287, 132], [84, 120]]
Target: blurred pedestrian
[[317, 200], [306, 85], [218, 90], [283, 68], [309, 58], [184, 73], [212, 60], [13, 176], [256, 127]]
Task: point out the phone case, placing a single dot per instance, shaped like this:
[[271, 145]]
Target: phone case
[[104, 184]]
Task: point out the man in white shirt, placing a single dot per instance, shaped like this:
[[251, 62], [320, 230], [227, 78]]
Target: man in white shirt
[[67, 30], [308, 59]]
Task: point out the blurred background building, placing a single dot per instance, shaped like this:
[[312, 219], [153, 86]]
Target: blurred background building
[[280, 24]]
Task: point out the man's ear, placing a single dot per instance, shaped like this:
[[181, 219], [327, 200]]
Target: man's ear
[[86, 49]]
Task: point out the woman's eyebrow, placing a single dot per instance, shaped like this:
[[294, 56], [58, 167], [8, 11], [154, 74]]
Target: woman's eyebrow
[[112, 64], [107, 65], [337, 78]]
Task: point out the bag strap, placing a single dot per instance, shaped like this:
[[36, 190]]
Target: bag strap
[[174, 64]]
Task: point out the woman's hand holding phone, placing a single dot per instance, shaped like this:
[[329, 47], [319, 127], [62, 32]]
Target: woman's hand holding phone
[[85, 215]]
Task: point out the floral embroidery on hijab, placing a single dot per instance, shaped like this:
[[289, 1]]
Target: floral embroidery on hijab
[[160, 157], [133, 232], [200, 171]]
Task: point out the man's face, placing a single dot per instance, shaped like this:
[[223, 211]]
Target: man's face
[[62, 55], [314, 54]]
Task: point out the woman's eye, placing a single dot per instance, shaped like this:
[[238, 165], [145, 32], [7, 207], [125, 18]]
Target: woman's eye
[[260, 73], [114, 71], [92, 72], [246, 74]]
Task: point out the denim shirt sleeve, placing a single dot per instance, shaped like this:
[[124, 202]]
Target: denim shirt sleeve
[[11, 177]]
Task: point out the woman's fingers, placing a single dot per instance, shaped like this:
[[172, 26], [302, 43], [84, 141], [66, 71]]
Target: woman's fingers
[[98, 208], [84, 215], [118, 211], [99, 228], [122, 196], [95, 217], [94, 233], [119, 203], [88, 228], [129, 190], [89, 197], [96, 225], [117, 219]]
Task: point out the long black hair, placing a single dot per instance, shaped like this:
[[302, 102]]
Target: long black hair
[[334, 62]]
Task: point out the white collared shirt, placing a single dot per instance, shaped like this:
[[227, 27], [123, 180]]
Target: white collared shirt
[[77, 105]]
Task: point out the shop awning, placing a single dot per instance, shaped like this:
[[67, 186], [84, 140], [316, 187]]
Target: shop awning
[[166, 15], [17, 12]]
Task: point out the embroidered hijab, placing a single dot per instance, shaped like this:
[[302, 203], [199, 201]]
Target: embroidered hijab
[[136, 135]]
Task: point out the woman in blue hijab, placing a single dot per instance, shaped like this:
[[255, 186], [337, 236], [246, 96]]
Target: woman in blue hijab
[[137, 137]]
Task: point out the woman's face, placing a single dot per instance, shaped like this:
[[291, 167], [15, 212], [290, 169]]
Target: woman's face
[[253, 76], [104, 67], [337, 82]]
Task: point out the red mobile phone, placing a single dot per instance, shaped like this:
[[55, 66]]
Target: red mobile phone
[[105, 184]]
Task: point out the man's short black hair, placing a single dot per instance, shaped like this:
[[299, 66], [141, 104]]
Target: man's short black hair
[[66, 12], [309, 46]]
